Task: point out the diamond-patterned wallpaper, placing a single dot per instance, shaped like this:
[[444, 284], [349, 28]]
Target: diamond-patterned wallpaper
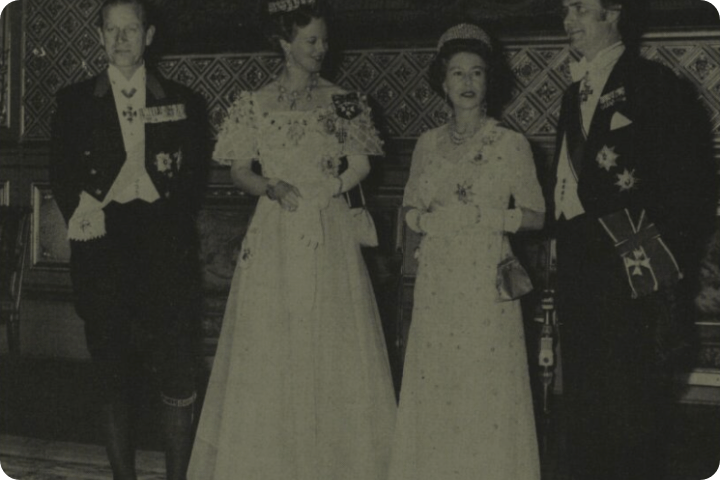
[[62, 48]]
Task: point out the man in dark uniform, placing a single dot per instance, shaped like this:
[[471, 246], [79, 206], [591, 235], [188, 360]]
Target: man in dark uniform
[[126, 172], [633, 196]]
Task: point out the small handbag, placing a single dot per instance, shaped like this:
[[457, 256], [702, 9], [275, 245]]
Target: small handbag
[[512, 279], [362, 222]]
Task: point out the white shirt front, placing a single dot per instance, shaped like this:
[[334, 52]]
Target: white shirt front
[[133, 181], [592, 77]]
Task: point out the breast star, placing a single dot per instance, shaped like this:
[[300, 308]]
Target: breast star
[[607, 158], [626, 180]]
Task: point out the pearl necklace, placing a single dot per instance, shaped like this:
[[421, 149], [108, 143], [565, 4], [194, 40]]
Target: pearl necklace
[[294, 96], [458, 138]]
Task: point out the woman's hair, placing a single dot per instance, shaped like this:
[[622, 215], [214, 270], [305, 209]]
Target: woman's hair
[[497, 74], [283, 25]]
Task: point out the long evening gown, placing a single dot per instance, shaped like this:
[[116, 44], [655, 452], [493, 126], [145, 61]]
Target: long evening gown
[[465, 404], [300, 387]]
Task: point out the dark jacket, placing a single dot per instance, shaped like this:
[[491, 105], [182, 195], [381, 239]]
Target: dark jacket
[[88, 150], [666, 147]]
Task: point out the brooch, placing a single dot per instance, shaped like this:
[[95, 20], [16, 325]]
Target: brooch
[[607, 158], [626, 180]]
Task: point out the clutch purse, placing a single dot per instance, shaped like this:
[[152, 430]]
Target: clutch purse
[[363, 224], [512, 280]]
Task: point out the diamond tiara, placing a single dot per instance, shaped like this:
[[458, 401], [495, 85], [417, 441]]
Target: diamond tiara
[[464, 31], [287, 5]]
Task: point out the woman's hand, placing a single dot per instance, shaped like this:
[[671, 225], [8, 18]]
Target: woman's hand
[[287, 195]]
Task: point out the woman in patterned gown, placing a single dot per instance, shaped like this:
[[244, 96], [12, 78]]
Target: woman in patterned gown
[[300, 387], [465, 405]]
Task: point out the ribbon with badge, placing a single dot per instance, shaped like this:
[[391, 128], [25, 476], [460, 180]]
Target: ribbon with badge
[[649, 263]]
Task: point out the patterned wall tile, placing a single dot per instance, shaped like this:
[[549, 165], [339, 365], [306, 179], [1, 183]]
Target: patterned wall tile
[[61, 48]]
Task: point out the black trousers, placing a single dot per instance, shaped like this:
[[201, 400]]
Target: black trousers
[[617, 392], [138, 291]]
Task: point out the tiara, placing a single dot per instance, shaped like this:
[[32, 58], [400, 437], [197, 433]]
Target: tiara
[[464, 31], [287, 5]]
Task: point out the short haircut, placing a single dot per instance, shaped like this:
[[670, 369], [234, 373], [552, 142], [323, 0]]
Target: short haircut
[[145, 11], [631, 23]]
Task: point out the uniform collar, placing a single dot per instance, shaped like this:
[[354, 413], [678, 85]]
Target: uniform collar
[[137, 81], [102, 85]]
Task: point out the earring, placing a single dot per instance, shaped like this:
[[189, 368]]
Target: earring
[[447, 111], [289, 60]]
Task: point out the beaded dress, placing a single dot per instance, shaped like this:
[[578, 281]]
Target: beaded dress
[[465, 404], [300, 386]]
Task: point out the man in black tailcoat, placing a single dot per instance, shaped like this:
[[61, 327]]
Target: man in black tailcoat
[[633, 196], [126, 171]]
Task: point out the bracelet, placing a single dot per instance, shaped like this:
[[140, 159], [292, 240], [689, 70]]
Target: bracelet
[[270, 188]]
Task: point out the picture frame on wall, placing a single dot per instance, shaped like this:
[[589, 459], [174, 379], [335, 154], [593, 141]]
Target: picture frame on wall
[[4, 71], [10, 77]]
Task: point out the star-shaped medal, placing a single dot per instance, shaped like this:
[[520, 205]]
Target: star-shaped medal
[[626, 180], [607, 158]]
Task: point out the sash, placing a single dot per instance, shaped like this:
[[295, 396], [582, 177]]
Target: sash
[[649, 263]]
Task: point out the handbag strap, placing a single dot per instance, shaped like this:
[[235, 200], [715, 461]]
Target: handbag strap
[[362, 196]]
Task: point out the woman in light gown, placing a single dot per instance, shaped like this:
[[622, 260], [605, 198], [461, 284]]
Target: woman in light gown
[[465, 404], [300, 387]]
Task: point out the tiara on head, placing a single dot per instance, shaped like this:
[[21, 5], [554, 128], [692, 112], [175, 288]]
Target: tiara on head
[[464, 31], [287, 5]]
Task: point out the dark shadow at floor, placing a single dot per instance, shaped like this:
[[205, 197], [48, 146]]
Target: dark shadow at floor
[[53, 400]]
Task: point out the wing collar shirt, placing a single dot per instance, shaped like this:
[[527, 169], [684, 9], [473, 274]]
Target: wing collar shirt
[[592, 76], [133, 181]]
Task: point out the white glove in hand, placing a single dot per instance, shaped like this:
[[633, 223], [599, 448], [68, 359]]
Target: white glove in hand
[[448, 220]]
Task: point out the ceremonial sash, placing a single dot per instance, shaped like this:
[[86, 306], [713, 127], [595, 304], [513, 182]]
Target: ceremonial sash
[[649, 263]]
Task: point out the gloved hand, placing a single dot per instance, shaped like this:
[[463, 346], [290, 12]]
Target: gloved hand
[[286, 194]]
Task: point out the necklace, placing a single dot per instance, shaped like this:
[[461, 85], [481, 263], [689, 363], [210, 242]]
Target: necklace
[[458, 138], [294, 96]]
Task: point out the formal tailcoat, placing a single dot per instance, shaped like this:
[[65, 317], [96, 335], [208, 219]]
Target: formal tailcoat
[[88, 148], [137, 287], [647, 148]]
